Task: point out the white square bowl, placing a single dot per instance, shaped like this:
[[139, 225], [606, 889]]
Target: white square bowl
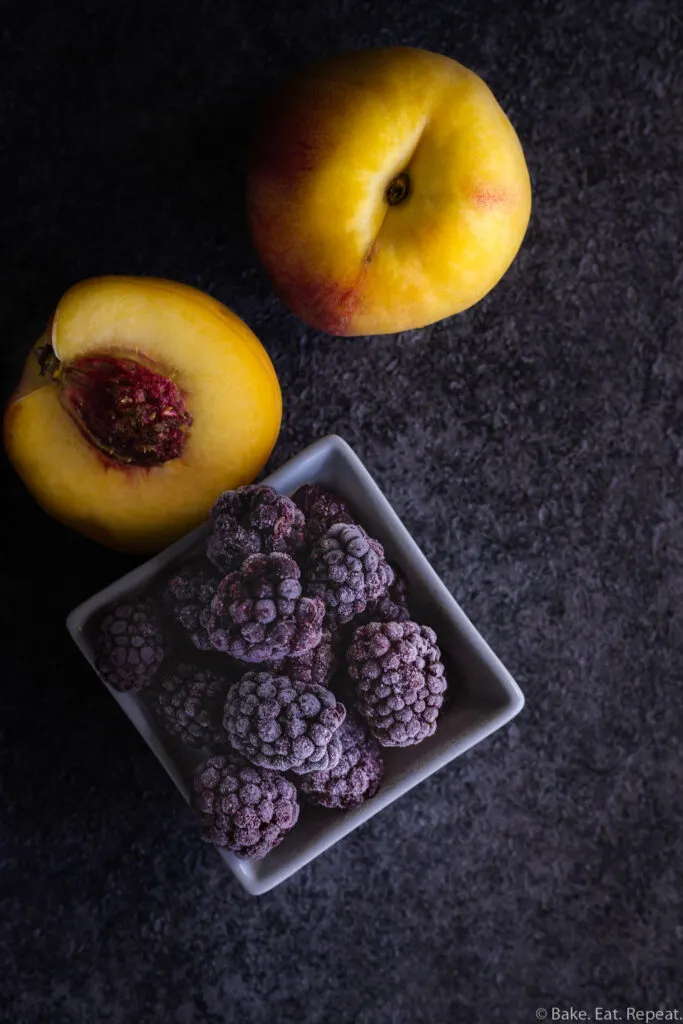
[[485, 696]]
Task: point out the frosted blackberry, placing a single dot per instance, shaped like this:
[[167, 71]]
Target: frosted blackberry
[[188, 595], [322, 509], [253, 520], [348, 571], [283, 725], [131, 645], [391, 606], [243, 808], [189, 704], [258, 613], [399, 680], [355, 779], [315, 666]]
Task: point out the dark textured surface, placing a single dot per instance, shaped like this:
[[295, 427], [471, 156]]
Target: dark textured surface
[[533, 445]]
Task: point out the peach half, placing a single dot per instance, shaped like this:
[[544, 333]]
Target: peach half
[[141, 403], [387, 190]]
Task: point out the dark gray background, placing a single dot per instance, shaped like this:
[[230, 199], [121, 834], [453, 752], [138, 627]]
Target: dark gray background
[[534, 446]]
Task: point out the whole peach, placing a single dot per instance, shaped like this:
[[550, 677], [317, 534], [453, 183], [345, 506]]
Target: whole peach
[[387, 190]]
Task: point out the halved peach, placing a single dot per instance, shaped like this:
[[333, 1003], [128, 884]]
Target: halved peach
[[142, 402]]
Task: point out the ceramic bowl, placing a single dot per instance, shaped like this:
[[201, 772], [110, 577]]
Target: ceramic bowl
[[484, 698]]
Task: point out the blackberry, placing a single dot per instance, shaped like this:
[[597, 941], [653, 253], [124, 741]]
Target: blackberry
[[322, 509], [131, 646], [242, 808], [188, 595], [347, 570], [315, 666], [391, 606], [189, 704], [355, 779], [253, 520], [283, 725], [258, 613], [399, 679]]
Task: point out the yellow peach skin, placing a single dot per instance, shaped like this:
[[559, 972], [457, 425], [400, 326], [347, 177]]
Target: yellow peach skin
[[387, 190], [227, 383]]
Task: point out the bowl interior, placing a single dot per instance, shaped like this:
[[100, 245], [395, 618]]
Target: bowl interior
[[482, 695]]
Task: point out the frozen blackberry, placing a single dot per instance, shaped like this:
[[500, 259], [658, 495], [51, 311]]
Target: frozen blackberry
[[188, 595], [244, 809], [354, 779], [189, 704], [400, 680], [392, 606], [253, 520], [131, 646], [347, 570], [322, 509], [283, 725], [316, 666], [258, 613]]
